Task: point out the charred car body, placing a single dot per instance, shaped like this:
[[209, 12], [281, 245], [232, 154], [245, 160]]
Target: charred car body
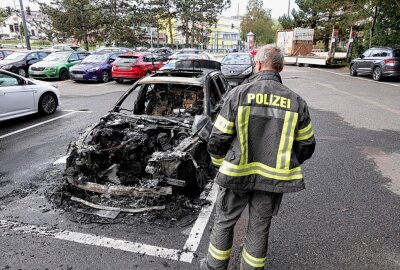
[[155, 137]]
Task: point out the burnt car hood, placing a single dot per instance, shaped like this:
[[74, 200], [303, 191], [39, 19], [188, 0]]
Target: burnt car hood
[[140, 150], [231, 70]]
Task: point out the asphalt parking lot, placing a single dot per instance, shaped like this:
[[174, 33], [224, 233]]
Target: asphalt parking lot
[[347, 218]]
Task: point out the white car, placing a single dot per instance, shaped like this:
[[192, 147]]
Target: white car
[[20, 96]]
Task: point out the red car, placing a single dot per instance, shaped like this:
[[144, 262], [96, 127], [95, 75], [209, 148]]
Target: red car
[[133, 66], [4, 53]]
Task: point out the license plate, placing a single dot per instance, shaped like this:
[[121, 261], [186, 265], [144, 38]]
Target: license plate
[[78, 76], [36, 72], [124, 68]]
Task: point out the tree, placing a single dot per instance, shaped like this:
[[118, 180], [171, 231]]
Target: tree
[[258, 20], [74, 18], [3, 15]]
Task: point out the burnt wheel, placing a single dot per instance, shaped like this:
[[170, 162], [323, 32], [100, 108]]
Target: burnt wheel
[[48, 103], [353, 71]]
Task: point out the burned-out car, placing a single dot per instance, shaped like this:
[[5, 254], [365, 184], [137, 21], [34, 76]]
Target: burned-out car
[[155, 137]]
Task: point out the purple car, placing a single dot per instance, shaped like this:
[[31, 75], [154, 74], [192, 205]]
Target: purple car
[[95, 67]]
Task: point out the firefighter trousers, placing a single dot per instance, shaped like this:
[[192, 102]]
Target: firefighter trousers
[[229, 206]]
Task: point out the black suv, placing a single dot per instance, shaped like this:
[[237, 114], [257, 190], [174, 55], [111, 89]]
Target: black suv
[[380, 62], [19, 62]]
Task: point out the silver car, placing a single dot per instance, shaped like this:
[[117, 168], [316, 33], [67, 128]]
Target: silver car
[[20, 96]]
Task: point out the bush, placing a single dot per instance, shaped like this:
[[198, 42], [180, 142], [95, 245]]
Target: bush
[[40, 43]]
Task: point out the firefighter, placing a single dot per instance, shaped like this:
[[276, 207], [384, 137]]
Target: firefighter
[[259, 140]]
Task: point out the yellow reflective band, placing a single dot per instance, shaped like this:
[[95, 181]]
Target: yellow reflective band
[[243, 123], [283, 139], [288, 153], [305, 136], [302, 131], [261, 169], [252, 261], [224, 125], [259, 260], [217, 161], [221, 255]]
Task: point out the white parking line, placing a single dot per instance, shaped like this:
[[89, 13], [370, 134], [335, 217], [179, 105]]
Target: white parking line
[[78, 111], [358, 78], [184, 255], [36, 125], [100, 84], [61, 160]]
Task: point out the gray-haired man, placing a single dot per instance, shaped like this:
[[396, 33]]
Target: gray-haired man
[[259, 140]]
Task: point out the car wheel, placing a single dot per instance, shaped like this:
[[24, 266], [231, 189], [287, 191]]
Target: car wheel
[[47, 103], [64, 74], [377, 74], [353, 71], [119, 81], [21, 72], [105, 77]]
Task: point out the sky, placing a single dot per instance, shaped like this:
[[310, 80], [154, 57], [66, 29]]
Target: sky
[[279, 7]]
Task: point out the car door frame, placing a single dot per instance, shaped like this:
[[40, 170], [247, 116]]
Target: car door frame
[[11, 97]]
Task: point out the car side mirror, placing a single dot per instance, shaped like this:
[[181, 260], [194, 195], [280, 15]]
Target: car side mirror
[[362, 56], [21, 81]]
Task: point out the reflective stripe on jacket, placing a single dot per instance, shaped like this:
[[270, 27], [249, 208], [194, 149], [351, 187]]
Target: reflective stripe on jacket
[[262, 136]]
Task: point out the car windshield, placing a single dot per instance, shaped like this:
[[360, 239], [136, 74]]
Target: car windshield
[[57, 57], [95, 58], [164, 99], [16, 56], [396, 53], [237, 59], [187, 56], [126, 60]]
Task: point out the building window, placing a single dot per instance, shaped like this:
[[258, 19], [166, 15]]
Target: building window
[[12, 28]]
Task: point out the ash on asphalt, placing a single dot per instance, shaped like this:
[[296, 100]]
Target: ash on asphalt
[[180, 211]]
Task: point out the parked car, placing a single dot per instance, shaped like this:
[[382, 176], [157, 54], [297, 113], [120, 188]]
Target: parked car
[[133, 66], [4, 53], [56, 65], [20, 61], [113, 50], [204, 54], [155, 136], [163, 53], [237, 67], [171, 63], [95, 67], [67, 47], [20, 96], [379, 62]]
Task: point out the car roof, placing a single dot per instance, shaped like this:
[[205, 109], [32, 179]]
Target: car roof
[[135, 53]]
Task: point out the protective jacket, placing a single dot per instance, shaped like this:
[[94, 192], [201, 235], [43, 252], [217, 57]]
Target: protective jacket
[[261, 137]]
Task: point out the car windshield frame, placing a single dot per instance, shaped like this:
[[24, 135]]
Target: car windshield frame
[[127, 59], [51, 57], [101, 58], [16, 56], [232, 62]]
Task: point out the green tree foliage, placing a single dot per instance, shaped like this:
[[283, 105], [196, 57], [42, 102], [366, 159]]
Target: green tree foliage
[[258, 20], [3, 15], [113, 21]]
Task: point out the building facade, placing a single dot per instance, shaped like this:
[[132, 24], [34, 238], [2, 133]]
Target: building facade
[[11, 27]]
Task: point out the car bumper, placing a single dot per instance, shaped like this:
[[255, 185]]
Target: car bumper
[[391, 73], [91, 76], [43, 74], [235, 80]]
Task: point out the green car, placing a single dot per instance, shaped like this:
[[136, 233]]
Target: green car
[[56, 65]]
